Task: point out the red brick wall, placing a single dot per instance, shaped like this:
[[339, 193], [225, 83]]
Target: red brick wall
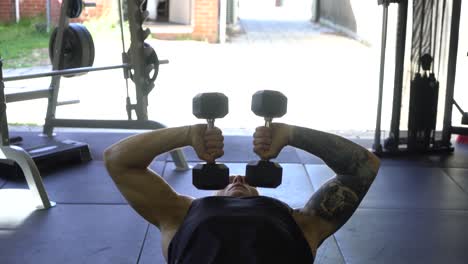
[[55, 10], [206, 20], [7, 10], [102, 9], [31, 8]]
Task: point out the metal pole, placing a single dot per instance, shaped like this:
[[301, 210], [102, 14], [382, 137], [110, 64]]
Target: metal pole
[[317, 11], [137, 34], [399, 72], [58, 58], [222, 21], [48, 7], [451, 72], [63, 72], [3, 117], [377, 146], [17, 11]]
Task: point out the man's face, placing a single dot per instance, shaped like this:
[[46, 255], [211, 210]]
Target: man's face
[[238, 187]]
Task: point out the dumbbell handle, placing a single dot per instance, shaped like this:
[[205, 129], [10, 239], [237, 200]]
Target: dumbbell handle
[[268, 121], [210, 126], [210, 123]]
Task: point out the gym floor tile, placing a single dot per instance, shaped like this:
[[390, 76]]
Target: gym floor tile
[[420, 161], [87, 183], [404, 236], [75, 234], [457, 159], [414, 187], [460, 176], [329, 253], [404, 187], [307, 158], [295, 188], [152, 250], [318, 174], [190, 155]]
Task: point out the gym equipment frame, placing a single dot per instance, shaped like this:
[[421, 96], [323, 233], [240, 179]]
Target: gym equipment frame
[[135, 54], [392, 146]]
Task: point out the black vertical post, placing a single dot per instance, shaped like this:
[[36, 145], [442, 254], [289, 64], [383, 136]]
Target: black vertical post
[[317, 11], [451, 72], [399, 72], [138, 35], [377, 146], [3, 117], [48, 128]]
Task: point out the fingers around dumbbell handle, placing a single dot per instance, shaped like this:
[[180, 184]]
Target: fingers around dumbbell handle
[[210, 176]]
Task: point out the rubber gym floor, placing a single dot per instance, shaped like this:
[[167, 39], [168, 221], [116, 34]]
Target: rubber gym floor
[[415, 212]]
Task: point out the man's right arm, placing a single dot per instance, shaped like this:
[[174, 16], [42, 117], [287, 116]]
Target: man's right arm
[[127, 163], [147, 192]]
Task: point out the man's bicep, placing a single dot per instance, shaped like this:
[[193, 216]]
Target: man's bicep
[[333, 204], [149, 195]]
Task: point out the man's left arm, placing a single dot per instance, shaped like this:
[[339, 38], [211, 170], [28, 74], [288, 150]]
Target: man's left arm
[[331, 206], [335, 201]]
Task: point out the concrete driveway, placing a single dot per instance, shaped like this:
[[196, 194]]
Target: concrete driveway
[[331, 81]]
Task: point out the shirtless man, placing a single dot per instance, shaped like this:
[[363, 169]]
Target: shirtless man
[[236, 224]]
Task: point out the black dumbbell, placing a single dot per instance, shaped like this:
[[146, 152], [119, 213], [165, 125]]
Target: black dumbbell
[[263, 173], [210, 176]]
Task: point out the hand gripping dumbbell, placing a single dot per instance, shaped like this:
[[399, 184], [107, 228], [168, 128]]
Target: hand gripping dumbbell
[[263, 173], [210, 176]]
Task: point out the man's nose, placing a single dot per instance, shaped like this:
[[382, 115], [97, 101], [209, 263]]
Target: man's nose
[[238, 179]]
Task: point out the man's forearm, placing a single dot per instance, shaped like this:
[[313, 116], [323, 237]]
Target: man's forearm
[[139, 151], [354, 165]]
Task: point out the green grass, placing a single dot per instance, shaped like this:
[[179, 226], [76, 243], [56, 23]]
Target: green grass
[[23, 124], [21, 45]]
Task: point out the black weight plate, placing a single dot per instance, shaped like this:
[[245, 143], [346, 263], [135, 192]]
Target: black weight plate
[[75, 7], [88, 51], [86, 45], [151, 61], [78, 48], [72, 49]]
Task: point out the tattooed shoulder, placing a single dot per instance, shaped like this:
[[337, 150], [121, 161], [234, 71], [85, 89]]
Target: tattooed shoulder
[[333, 202]]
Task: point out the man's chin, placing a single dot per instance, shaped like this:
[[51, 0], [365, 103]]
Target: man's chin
[[238, 193]]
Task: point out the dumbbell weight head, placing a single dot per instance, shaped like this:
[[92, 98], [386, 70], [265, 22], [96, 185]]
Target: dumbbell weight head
[[210, 176], [269, 104], [264, 173], [210, 105]]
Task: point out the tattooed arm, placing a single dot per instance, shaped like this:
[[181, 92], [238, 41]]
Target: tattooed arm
[[355, 167], [334, 203]]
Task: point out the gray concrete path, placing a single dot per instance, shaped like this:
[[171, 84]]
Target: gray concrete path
[[263, 21], [331, 81]]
